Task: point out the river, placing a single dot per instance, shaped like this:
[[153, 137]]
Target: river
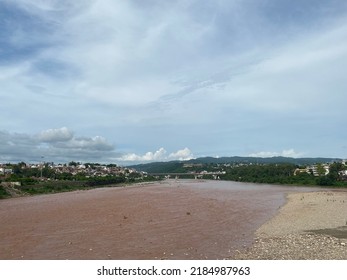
[[173, 219]]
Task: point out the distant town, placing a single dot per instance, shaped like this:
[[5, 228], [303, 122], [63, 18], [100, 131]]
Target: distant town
[[29, 179], [41, 170], [73, 168]]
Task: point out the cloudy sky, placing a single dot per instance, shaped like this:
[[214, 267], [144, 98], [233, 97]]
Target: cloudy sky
[[136, 81]]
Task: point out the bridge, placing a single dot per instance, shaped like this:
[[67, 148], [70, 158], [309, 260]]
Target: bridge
[[168, 175]]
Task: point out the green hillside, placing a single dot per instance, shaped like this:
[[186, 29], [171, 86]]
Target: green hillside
[[177, 166]]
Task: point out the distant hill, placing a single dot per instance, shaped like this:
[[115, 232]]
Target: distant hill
[[177, 166], [161, 167], [237, 159]]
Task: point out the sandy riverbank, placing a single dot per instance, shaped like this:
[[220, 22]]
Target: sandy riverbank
[[309, 226]]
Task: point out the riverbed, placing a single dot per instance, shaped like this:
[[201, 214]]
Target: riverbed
[[173, 219]]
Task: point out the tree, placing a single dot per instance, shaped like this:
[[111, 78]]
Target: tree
[[320, 169]]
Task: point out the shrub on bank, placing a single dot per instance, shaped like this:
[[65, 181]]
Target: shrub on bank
[[3, 193]]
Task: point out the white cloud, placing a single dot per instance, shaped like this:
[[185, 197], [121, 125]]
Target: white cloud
[[63, 138], [54, 145], [184, 154], [149, 156], [55, 135], [96, 143], [159, 155], [284, 153]]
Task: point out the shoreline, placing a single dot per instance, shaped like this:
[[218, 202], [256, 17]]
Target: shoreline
[[18, 193], [309, 226]]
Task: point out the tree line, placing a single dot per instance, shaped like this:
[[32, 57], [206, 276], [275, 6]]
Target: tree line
[[284, 174]]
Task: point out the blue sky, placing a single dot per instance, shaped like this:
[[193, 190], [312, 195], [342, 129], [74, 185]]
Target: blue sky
[[139, 81]]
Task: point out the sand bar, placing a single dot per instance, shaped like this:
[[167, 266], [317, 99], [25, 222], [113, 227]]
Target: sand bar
[[309, 226]]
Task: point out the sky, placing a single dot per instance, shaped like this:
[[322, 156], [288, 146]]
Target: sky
[[138, 81]]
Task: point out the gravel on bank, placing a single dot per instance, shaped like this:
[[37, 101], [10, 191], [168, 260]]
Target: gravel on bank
[[311, 226]]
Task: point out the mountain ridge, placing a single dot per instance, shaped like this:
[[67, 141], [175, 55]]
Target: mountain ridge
[[176, 165]]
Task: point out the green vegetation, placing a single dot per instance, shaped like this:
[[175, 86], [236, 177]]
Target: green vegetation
[[285, 174], [3, 193], [52, 187], [107, 180], [261, 173], [161, 167], [67, 185], [33, 187], [270, 174]]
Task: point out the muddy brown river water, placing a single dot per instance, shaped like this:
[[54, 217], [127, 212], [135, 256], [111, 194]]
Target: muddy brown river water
[[183, 219]]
